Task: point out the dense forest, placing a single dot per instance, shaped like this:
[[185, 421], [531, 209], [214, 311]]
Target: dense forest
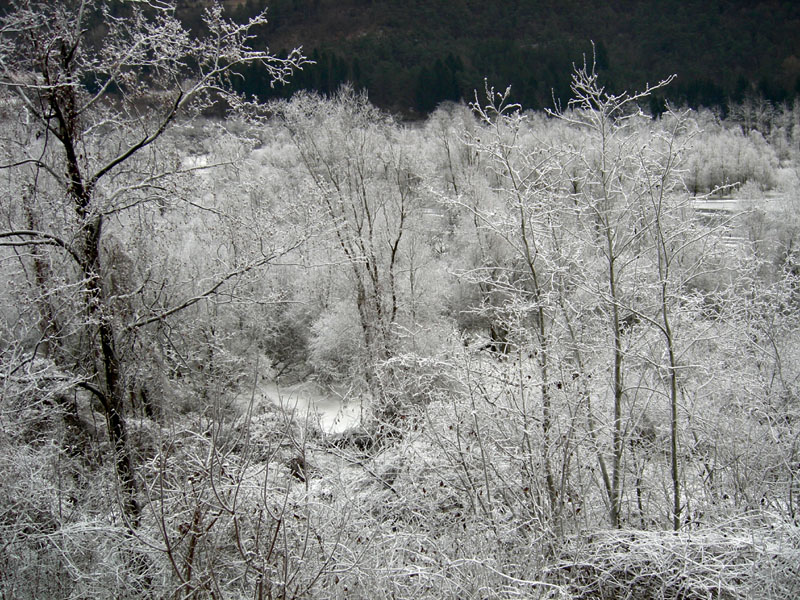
[[412, 55], [558, 344]]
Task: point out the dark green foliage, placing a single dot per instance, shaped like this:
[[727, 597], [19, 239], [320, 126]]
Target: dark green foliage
[[720, 50], [438, 84]]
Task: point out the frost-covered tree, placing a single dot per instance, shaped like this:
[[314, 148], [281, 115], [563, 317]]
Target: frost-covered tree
[[364, 180], [94, 88]]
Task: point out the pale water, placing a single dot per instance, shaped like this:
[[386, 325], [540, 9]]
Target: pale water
[[326, 409]]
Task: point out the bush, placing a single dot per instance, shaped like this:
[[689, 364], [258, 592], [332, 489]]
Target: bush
[[735, 560], [336, 350], [727, 157]]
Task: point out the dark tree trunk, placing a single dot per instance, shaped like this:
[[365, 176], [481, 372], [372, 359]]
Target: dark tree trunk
[[62, 102]]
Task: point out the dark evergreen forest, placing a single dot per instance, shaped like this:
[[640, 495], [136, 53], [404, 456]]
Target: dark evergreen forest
[[412, 55]]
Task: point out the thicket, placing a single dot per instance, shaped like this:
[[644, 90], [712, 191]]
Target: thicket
[[574, 380]]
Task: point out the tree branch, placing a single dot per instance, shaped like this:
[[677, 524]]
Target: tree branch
[[40, 239], [145, 141], [207, 293]]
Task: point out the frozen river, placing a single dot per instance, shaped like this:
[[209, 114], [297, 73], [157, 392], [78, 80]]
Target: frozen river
[[330, 411]]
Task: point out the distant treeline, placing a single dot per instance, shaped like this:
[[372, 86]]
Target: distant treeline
[[413, 54]]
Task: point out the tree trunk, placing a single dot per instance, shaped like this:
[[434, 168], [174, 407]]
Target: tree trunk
[[113, 405], [617, 442], [111, 394]]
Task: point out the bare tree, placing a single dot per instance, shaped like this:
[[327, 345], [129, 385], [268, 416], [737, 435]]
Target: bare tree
[[524, 177], [98, 92], [609, 199], [364, 181]]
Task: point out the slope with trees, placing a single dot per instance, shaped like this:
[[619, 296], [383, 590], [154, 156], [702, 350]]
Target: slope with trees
[[571, 382], [392, 48]]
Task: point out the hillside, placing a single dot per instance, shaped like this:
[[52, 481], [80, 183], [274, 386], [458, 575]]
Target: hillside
[[411, 55]]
